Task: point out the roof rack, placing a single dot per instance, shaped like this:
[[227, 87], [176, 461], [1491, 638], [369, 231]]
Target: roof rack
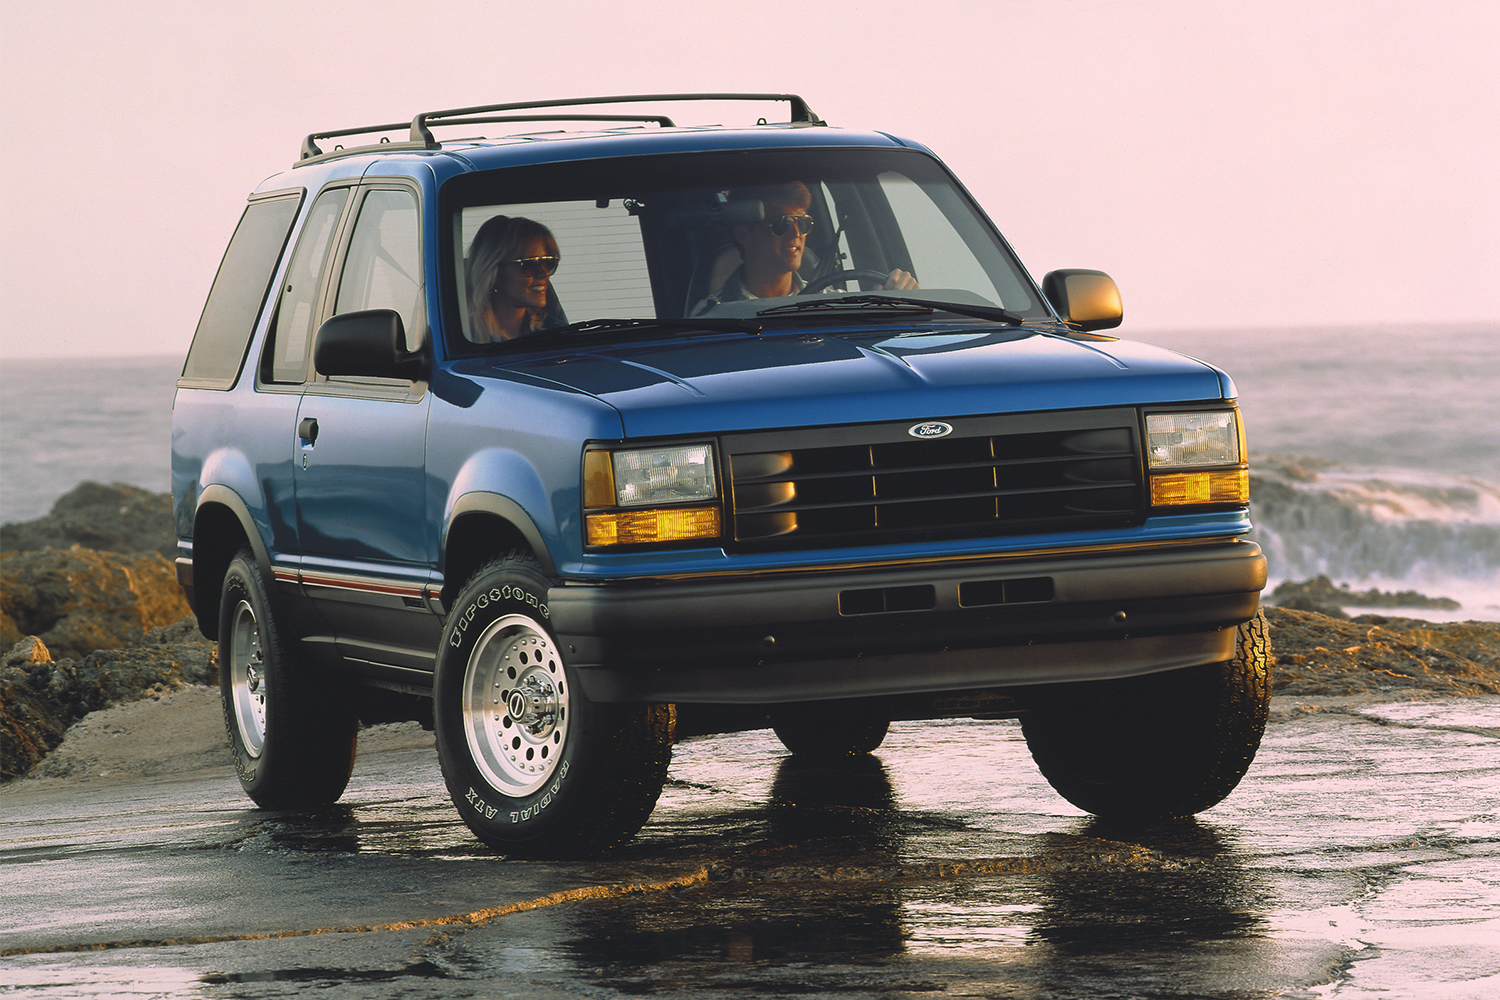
[[422, 137]]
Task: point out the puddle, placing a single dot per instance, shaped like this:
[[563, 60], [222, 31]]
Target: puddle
[[1360, 857]]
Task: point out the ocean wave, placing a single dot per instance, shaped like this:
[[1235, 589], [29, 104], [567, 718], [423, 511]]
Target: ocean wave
[[1366, 527]]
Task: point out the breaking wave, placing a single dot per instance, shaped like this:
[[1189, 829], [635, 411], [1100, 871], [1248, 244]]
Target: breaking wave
[[1380, 527]]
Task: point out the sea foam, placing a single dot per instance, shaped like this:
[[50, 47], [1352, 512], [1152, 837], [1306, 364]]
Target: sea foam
[[1386, 528]]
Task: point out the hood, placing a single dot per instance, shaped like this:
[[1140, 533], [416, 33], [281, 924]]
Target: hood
[[710, 384]]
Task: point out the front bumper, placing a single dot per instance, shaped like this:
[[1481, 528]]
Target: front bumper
[[910, 628]]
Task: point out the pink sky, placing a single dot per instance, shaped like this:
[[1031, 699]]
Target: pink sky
[[1232, 164]]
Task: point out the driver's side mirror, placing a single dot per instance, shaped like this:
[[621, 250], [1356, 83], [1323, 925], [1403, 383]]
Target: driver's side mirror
[[1089, 300], [370, 344]]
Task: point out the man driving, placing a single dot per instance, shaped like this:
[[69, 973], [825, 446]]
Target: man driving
[[771, 250]]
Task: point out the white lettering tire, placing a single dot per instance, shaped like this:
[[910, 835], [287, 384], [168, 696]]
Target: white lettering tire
[[534, 768]]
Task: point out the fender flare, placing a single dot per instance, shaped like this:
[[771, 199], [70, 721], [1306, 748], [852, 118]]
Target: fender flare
[[223, 496], [501, 506]]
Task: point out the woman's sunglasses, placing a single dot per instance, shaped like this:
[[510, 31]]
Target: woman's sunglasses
[[536, 267], [783, 224]]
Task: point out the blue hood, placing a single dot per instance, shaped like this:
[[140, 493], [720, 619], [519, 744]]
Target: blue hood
[[709, 384]]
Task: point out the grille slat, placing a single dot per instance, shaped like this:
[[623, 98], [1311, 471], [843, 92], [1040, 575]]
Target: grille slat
[[994, 475], [896, 470], [896, 501]]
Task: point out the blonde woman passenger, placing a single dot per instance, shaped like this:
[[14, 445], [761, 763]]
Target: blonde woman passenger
[[509, 270]]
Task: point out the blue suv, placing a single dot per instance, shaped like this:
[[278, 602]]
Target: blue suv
[[573, 444]]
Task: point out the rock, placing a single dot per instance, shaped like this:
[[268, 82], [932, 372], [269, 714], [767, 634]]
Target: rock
[[1322, 596], [1304, 602], [116, 622], [1315, 655], [40, 698], [114, 518], [31, 724], [77, 601]]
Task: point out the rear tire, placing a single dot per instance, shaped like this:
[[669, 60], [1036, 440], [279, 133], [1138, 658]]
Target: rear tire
[[1155, 747], [828, 729], [534, 768], [291, 723]]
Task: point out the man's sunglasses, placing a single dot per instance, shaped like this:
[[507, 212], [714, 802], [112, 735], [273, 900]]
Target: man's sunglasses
[[783, 224], [536, 267]]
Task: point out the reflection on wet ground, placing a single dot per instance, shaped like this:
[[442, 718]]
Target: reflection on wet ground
[[1360, 858]]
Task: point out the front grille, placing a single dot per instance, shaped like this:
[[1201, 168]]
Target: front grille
[[1017, 474]]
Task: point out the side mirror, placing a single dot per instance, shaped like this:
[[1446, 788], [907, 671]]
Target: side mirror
[[1089, 300], [371, 343]]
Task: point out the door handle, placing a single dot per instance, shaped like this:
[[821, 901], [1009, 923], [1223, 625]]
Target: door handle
[[307, 430]]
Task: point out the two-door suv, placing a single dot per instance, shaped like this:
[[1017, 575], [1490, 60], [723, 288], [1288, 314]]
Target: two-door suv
[[574, 443]]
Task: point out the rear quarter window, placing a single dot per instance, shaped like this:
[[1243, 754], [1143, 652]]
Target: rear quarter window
[[239, 291]]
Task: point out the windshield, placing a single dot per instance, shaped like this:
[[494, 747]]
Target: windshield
[[713, 235]]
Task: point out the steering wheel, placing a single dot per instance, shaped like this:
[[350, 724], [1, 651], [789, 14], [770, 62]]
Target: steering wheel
[[853, 274]]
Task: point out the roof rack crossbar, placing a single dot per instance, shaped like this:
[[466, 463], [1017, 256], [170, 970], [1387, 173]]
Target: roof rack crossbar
[[310, 146], [661, 120], [421, 133]]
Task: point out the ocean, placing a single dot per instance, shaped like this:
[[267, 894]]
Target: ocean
[[1383, 445]]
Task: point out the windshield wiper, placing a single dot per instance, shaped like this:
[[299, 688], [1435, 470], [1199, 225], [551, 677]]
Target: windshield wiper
[[900, 303], [722, 324]]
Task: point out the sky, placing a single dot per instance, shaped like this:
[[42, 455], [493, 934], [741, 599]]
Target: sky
[[1267, 164]]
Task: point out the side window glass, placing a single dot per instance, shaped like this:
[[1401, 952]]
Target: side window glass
[[239, 289], [291, 336], [383, 269]]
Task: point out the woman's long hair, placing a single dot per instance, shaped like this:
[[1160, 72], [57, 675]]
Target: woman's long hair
[[500, 239]]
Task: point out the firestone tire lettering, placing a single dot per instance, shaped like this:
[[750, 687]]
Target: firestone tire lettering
[[562, 777]]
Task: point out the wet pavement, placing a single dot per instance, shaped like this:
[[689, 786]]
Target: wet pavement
[[1359, 858]]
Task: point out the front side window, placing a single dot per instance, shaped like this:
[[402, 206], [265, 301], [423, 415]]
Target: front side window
[[662, 238], [292, 329], [383, 267]]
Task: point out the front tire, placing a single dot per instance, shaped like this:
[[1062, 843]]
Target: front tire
[[291, 724], [1155, 747], [534, 768]]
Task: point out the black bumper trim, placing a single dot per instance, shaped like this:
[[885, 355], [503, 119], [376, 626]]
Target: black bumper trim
[[783, 637], [913, 673]]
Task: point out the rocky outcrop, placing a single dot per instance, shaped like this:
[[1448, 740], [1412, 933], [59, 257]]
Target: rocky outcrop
[[40, 697], [86, 630], [1315, 655], [113, 518], [78, 600], [1322, 596]]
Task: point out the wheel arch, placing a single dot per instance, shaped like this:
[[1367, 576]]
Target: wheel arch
[[222, 525], [482, 527]]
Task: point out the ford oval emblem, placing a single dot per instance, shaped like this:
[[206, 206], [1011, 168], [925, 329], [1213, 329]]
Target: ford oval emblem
[[930, 429]]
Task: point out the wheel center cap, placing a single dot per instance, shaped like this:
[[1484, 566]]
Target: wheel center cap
[[533, 704]]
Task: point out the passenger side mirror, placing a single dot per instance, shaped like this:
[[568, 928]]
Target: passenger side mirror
[[371, 344], [1089, 300]]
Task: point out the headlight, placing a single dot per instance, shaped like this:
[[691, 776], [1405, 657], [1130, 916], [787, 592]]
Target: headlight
[[663, 475], [1211, 443], [1174, 440], [663, 490]]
